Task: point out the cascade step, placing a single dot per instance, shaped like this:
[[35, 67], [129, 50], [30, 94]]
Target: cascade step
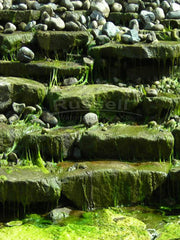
[[87, 185], [22, 90], [176, 134], [18, 16], [117, 141], [42, 70], [148, 62]]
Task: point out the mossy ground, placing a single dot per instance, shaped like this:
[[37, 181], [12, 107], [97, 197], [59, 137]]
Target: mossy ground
[[112, 223]]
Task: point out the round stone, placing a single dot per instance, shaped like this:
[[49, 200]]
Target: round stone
[[25, 55], [90, 119]]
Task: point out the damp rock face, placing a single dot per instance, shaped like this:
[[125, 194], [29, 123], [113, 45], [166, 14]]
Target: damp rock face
[[7, 137]]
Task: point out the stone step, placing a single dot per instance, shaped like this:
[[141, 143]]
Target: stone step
[[148, 61], [42, 70], [116, 141], [22, 90], [18, 16], [89, 185], [112, 101]]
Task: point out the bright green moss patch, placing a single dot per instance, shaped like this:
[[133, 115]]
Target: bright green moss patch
[[170, 231], [103, 224]]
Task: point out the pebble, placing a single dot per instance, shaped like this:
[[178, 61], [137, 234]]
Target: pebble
[[70, 81], [116, 7], [47, 117], [13, 118], [25, 55], [9, 28], [90, 119], [151, 92], [3, 118]]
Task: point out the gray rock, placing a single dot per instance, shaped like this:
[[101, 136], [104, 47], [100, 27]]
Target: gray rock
[[96, 15], [151, 37], [90, 119], [48, 9], [130, 37], [101, 6], [38, 122], [158, 27], [18, 107], [70, 81], [102, 21], [55, 23], [173, 15], [9, 28], [49, 118], [13, 118], [94, 24], [12, 158], [71, 26], [110, 2], [7, 4], [174, 7], [41, 27], [3, 118], [134, 24], [110, 29], [102, 39], [59, 214], [77, 4], [35, 5], [25, 55], [116, 7], [147, 16], [30, 25], [28, 110], [149, 26], [22, 26], [151, 92], [165, 6], [68, 4], [22, 6], [1, 6], [86, 5], [132, 7], [82, 19], [159, 13]]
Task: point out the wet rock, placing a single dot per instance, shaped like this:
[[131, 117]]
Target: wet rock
[[41, 27], [68, 4], [13, 118], [70, 81], [102, 39], [28, 110], [9, 28], [174, 7], [165, 6], [35, 5], [130, 36], [22, 6], [49, 118], [134, 24], [116, 7], [101, 6], [110, 29], [3, 118], [77, 4], [71, 26], [86, 5], [30, 26], [55, 23], [159, 13], [77, 153], [12, 158], [94, 24], [132, 8], [152, 92], [38, 122], [147, 16], [59, 213], [7, 136], [151, 37], [7, 4], [25, 55], [18, 107], [173, 15], [90, 119]]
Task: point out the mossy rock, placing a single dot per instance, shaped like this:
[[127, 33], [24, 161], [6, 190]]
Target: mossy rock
[[126, 142], [176, 134], [18, 16], [7, 137], [160, 108], [161, 50], [55, 145], [20, 90], [174, 183], [62, 41], [122, 19], [103, 184], [102, 99], [42, 70], [10, 43], [28, 185]]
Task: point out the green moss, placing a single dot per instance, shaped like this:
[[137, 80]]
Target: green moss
[[3, 178], [170, 231], [93, 225]]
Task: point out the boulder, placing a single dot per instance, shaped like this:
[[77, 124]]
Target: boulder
[[101, 6]]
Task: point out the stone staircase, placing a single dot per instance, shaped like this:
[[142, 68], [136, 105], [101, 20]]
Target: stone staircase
[[130, 157]]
